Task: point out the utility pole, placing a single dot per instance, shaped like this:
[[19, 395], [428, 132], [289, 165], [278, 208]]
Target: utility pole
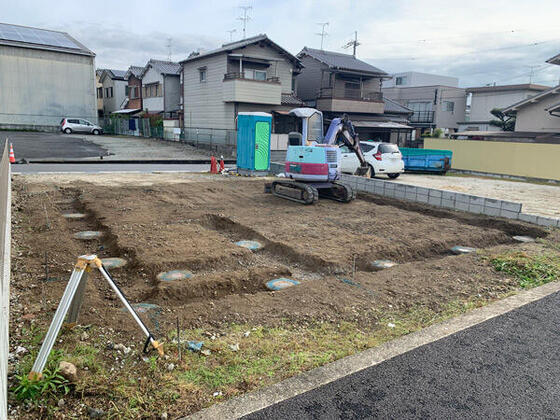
[[323, 33], [231, 32], [353, 44], [531, 75], [245, 18]]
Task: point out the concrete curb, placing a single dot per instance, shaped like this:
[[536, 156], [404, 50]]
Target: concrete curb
[[130, 161], [447, 199], [249, 403]]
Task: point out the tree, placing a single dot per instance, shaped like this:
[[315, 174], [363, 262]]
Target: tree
[[505, 122]]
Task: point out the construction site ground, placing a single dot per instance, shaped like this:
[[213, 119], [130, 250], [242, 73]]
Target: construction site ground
[[252, 336]]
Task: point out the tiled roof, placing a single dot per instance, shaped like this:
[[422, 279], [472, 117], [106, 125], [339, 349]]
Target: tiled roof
[[291, 99], [532, 99], [136, 71], [116, 74], [503, 88], [339, 61], [243, 43], [165, 67]]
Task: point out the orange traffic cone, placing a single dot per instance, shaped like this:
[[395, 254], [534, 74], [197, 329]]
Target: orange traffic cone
[[12, 156], [222, 165], [213, 165]]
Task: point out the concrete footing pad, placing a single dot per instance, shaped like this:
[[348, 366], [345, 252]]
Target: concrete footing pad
[[255, 401]]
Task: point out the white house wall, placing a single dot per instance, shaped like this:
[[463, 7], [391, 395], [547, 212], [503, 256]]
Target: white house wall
[[482, 103], [533, 117], [203, 101], [283, 70], [152, 104], [113, 103], [41, 87]]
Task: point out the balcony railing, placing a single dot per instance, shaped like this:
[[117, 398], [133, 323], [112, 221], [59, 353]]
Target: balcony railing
[[351, 94], [241, 75], [422, 117]]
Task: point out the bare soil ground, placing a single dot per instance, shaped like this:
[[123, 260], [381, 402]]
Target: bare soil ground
[[191, 222]]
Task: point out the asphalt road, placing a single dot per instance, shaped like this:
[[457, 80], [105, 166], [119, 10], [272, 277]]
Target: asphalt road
[[506, 368], [31, 145], [105, 167]]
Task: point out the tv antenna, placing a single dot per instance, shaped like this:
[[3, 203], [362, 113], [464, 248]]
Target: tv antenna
[[323, 33], [354, 43], [231, 32], [168, 45], [245, 18]]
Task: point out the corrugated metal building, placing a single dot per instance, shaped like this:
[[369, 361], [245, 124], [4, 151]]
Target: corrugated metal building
[[44, 76]]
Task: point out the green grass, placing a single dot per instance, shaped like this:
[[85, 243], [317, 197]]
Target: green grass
[[529, 270]]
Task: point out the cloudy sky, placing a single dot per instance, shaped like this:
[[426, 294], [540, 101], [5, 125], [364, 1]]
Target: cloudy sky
[[478, 41]]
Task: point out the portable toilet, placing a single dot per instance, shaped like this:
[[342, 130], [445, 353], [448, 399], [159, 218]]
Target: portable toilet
[[253, 143]]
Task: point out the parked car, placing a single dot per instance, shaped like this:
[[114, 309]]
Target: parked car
[[383, 158], [78, 125]]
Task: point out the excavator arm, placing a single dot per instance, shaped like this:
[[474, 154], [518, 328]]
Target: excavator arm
[[341, 131]]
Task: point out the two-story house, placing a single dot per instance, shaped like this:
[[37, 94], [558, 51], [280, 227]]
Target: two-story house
[[339, 84], [113, 85], [254, 74], [486, 98], [134, 87], [161, 92], [440, 104], [99, 92]]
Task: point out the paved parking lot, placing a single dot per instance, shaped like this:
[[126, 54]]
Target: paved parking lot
[[52, 146], [537, 199]]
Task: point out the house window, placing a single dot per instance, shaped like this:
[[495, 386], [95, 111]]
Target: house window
[[109, 92], [100, 92], [448, 106], [126, 91], [401, 80], [202, 74], [260, 75]]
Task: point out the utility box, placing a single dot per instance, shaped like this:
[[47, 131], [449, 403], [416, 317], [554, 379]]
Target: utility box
[[253, 143]]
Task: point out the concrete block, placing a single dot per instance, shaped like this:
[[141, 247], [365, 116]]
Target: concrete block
[[491, 202], [508, 205], [411, 189], [434, 193], [389, 186], [447, 195], [422, 190], [509, 214], [399, 194], [463, 198], [400, 187], [475, 208], [460, 205], [448, 204], [422, 198], [370, 188], [529, 218], [379, 190], [410, 196], [479, 201], [547, 221], [491, 211], [389, 193], [434, 201]]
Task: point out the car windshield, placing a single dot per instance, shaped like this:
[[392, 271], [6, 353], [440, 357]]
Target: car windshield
[[388, 148]]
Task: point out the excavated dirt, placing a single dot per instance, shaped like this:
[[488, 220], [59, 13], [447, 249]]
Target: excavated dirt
[[193, 225]]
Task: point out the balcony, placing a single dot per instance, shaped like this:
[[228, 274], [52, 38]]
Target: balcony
[[422, 117], [351, 100], [237, 88]]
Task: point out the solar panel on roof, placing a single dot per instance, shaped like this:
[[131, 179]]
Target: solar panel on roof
[[35, 36]]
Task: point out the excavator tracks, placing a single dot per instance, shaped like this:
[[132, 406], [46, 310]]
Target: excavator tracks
[[338, 192], [295, 191]]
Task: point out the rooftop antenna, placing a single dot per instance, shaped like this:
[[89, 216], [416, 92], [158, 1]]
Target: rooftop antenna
[[245, 18], [353, 44], [323, 33], [231, 32], [168, 45]]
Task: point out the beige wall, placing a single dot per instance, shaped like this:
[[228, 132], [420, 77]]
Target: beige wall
[[533, 117], [532, 160]]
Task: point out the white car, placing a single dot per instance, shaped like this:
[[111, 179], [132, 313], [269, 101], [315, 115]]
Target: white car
[[78, 125], [383, 158]]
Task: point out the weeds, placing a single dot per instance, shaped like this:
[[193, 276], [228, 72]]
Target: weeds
[[51, 384], [530, 271]]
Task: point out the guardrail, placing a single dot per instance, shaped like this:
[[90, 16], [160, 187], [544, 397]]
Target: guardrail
[[5, 243]]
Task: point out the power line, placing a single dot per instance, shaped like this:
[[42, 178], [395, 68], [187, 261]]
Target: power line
[[323, 33], [511, 47]]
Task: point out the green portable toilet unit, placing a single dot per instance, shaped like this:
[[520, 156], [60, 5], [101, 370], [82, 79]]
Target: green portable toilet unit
[[253, 143]]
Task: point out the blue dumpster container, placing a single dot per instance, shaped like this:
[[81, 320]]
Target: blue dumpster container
[[426, 160]]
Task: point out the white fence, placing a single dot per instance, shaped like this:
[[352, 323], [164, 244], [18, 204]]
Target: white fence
[[5, 243]]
